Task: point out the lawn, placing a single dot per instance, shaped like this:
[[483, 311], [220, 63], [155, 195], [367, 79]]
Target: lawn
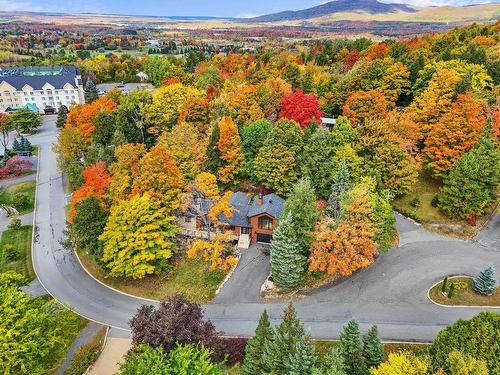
[[464, 297], [323, 346], [27, 188], [20, 258], [188, 277], [425, 190]]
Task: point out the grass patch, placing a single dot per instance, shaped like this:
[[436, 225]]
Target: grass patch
[[425, 190], [17, 257], [87, 354], [26, 188], [464, 297], [188, 277]]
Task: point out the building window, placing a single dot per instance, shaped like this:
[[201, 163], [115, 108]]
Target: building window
[[265, 222], [245, 230]]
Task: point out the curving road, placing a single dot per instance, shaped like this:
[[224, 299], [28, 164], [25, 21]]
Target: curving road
[[391, 293]]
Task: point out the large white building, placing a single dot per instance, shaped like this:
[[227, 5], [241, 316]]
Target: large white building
[[46, 87]]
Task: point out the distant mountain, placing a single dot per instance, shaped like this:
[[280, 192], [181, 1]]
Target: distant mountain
[[338, 6]]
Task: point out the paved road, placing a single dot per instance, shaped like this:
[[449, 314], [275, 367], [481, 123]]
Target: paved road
[[392, 293]]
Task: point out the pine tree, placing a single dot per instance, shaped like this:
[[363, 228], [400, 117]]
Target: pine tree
[[16, 146], [444, 286], [288, 264], [331, 364], [373, 350], [340, 184], [254, 363], [62, 116], [351, 346], [278, 352], [213, 161], [304, 359], [90, 91], [486, 281], [301, 204]]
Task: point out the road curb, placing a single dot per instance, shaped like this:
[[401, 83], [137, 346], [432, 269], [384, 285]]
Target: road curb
[[457, 306]]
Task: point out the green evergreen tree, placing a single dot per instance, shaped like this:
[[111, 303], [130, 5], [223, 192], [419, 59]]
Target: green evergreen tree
[[351, 346], [288, 263], [301, 204], [254, 363], [303, 361], [16, 146], [470, 186], [315, 161], [373, 350], [62, 116], [278, 352], [486, 281], [90, 91], [331, 364], [340, 184], [213, 161]]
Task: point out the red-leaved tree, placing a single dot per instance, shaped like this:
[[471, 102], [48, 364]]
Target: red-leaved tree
[[302, 108]]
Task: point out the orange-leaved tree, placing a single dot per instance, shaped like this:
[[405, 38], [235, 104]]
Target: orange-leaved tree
[[159, 176], [455, 134], [82, 116], [363, 105], [231, 155], [342, 248], [97, 180]]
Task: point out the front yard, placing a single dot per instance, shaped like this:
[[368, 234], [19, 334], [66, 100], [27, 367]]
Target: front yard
[[20, 196], [15, 251], [188, 277]]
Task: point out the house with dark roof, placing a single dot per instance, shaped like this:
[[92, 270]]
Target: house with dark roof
[[46, 87], [253, 218]]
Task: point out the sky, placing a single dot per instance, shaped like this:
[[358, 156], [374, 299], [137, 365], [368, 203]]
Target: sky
[[220, 8]]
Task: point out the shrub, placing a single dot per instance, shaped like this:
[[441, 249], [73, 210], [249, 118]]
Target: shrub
[[444, 285], [416, 202], [435, 201], [233, 348], [452, 290], [16, 166], [15, 224], [485, 282], [21, 201], [10, 252]]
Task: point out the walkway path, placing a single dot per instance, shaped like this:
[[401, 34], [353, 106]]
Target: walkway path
[[391, 293]]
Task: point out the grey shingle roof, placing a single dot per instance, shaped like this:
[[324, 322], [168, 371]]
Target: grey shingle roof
[[37, 77], [245, 208]]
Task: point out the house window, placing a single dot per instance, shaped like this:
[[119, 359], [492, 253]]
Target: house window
[[265, 222], [245, 230]]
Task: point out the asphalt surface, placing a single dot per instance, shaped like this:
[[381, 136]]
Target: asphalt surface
[[392, 293]]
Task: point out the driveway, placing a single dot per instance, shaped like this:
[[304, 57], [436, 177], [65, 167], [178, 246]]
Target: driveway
[[391, 293], [247, 278]]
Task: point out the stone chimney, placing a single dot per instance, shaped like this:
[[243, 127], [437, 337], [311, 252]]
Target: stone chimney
[[260, 201]]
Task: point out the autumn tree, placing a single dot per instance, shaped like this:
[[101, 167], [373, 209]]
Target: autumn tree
[[159, 176], [187, 147], [213, 158], [6, 126], [470, 186], [70, 148], [243, 105], [454, 134], [231, 155], [363, 105], [124, 170], [82, 116], [97, 180], [402, 363], [136, 253], [395, 82], [168, 103], [302, 108], [270, 96]]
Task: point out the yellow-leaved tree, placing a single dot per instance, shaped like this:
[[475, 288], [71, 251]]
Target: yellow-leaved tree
[[138, 238], [401, 363], [216, 248], [231, 155]]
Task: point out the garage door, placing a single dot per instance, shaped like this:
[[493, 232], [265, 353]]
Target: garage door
[[264, 238]]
